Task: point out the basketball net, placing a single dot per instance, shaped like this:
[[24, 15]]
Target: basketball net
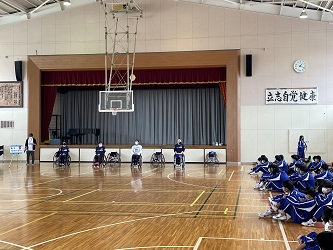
[[114, 111]]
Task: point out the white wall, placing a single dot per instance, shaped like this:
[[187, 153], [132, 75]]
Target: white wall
[[275, 42]]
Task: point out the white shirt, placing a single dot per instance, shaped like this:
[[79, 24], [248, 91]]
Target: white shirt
[[136, 150], [30, 144]]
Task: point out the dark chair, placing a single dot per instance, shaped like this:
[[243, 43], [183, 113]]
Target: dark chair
[[72, 132], [97, 133]]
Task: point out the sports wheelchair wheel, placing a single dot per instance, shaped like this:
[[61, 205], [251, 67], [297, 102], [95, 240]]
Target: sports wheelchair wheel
[[56, 158], [136, 163], [113, 157], [179, 162], [157, 158], [101, 163]]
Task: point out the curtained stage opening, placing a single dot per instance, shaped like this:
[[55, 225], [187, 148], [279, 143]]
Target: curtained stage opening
[[169, 104]]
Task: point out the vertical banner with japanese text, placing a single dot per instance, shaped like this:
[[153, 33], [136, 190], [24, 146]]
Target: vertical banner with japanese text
[[292, 95]]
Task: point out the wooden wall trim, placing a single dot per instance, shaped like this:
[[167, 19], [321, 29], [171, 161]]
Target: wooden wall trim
[[191, 59]]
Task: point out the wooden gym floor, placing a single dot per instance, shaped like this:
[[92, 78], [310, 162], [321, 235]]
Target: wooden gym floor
[[203, 208]]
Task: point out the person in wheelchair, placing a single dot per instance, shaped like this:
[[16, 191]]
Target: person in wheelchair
[[136, 151], [99, 153], [179, 152], [63, 154]]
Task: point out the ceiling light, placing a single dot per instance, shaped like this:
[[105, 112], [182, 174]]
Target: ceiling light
[[67, 2], [303, 14]]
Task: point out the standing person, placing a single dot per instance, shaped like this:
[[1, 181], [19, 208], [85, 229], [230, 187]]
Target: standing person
[[179, 149], [30, 145], [136, 151], [301, 147]]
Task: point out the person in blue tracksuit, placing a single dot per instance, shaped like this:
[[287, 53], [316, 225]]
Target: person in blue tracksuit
[[302, 178], [273, 180], [297, 208], [324, 173], [295, 159], [301, 147], [324, 200], [262, 166], [281, 163], [316, 164], [279, 202]]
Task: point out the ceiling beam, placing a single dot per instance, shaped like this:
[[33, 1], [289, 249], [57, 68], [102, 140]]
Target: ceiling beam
[[14, 5]]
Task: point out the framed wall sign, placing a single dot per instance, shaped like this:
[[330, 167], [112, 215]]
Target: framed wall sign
[[292, 95], [11, 94]]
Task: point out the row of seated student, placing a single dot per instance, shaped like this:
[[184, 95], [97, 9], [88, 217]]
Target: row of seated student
[[306, 196]]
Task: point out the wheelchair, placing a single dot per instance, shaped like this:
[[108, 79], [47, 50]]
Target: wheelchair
[[157, 158], [179, 162], [113, 157], [136, 161], [99, 161], [211, 158], [57, 159]]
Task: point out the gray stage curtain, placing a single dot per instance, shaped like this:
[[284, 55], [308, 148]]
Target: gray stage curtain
[[197, 116]]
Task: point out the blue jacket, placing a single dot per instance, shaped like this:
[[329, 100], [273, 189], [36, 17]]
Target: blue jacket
[[179, 148]]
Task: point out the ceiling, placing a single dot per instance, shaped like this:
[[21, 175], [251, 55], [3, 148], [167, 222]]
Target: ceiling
[[18, 10]]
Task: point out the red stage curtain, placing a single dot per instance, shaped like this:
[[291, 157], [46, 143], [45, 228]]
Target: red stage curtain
[[223, 89], [48, 98], [151, 76]]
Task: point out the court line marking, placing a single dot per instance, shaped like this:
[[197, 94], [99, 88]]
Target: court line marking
[[15, 245], [110, 225], [133, 248], [252, 239], [27, 223], [197, 244], [231, 175], [221, 171], [81, 195], [197, 198], [284, 236]]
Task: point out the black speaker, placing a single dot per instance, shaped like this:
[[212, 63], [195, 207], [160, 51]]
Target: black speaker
[[248, 65], [18, 70]]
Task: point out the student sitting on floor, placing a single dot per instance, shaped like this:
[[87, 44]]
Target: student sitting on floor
[[262, 166], [308, 241], [281, 163], [279, 201], [316, 164], [295, 159], [302, 178], [273, 180], [325, 240], [324, 173], [324, 200], [298, 209]]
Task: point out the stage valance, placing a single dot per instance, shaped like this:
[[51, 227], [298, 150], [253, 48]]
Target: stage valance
[[143, 77]]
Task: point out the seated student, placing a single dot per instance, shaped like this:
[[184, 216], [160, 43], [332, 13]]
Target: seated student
[[279, 201], [309, 241], [136, 151], [281, 163], [99, 153], [325, 240], [295, 160], [262, 166], [302, 178], [179, 150], [299, 210], [273, 180], [316, 164], [324, 173], [324, 200], [63, 153]]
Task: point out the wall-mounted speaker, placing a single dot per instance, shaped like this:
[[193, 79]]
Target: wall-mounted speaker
[[248, 65], [18, 70]]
